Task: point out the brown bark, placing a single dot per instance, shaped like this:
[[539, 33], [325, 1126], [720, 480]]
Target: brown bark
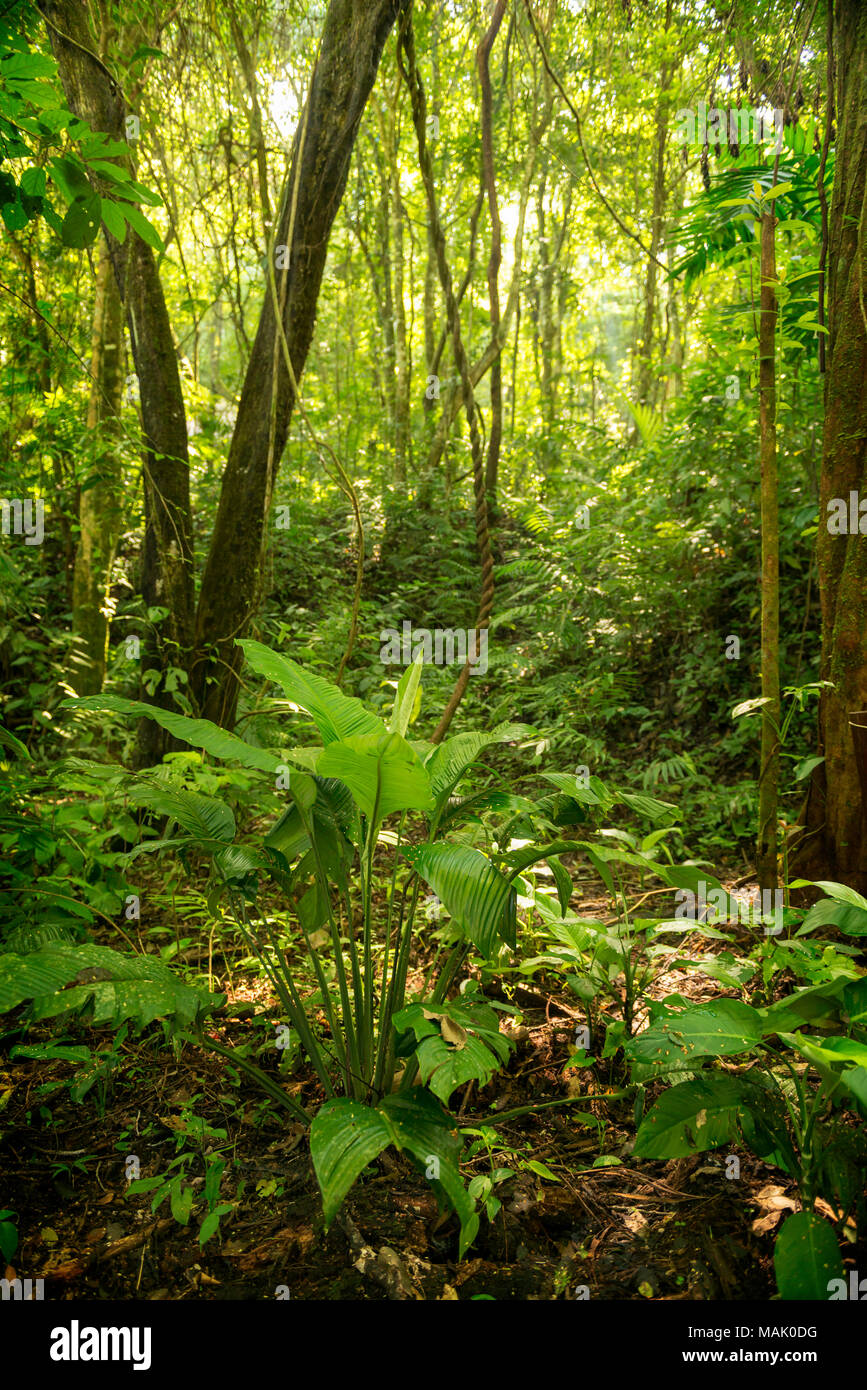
[[167, 578], [835, 843], [495, 434], [353, 37], [769, 774], [401, 348], [99, 509]]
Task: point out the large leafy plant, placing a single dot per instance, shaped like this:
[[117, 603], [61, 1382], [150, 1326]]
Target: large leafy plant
[[796, 1074], [385, 1064]]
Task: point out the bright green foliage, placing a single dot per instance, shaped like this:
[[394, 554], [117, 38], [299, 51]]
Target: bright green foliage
[[806, 1257], [457, 1042], [345, 1137], [109, 986]]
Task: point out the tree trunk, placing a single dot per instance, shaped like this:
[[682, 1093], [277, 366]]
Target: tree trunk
[[646, 391], [483, 56], [167, 578], [835, 842], [769, 773], [353, 38], [401, 352], [99, 512]]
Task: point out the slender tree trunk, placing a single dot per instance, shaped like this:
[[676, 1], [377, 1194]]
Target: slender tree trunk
[[495, 434], [167, 553], [353, 37], [39, 358], [431, 281], [835, 843], [401, 354], [100, 511], [646, 386], [769, 775], [247, 61], [545, 319]]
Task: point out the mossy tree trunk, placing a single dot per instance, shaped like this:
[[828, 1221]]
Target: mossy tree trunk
[[99, 508], [769, 773], [167, 577], [835, 844]]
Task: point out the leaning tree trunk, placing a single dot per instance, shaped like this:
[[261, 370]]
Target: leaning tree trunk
[[353, 38], [835, 843], [167, 578]]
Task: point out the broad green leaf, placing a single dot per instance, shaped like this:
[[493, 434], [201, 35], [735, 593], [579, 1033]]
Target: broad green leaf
[[443, 1069], [520, 859], [201, 816], [142, 227], [29, 66], [847, 917], [563, 880], [854, 999], [478, 1049], [828, 1052], [139, 988], [648, 806], [543, 1171], [382, 772], [71, 178], [181, 1201], [209, 1227], [694, 1116], [114, 173], [855, 1081], [33, 182], [719, 1029], [199, 733], [80, 226], [334, 823], [448, 763], [806, 1257], [692, 878], [346, 1136], [479, 898], [114, 219], [841, 892], [407, 697], [237, 861], [818, 1005], [595, 793], [52, 1052], [335, 715]]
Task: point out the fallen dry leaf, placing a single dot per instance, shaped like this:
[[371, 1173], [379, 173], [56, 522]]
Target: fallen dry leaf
[[763, 1224], [773, 1198], [635, 1222]]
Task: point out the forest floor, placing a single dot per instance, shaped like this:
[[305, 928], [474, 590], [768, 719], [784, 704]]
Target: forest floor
[[627, 1230]]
